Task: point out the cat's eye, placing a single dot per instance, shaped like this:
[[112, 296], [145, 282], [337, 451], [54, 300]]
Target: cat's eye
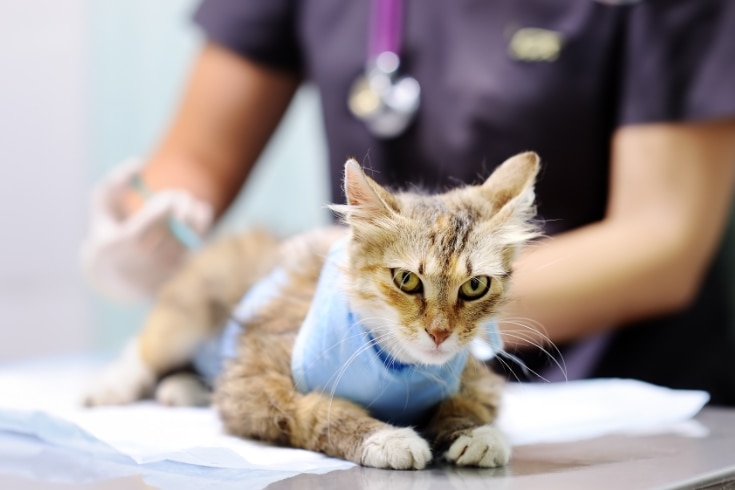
[[474, 288], [407, 281]]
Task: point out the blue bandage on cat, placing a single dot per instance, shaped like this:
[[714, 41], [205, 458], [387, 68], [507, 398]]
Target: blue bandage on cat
[[336, 355]]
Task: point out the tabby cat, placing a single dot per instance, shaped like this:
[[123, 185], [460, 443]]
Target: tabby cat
[[352, 340]]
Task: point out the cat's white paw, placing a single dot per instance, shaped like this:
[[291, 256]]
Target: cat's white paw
[[182, 390], [124, 381], [398, 449], [485, 447]]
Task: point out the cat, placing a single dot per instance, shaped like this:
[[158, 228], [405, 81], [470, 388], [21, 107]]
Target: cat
[[332, 316]]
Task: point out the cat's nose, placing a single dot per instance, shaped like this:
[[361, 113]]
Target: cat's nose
[[438, 335]]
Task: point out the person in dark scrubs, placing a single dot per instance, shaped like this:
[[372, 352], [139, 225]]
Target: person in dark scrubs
[[630, 104]]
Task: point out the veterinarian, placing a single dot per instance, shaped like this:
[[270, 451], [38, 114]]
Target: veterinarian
[[631, 105]]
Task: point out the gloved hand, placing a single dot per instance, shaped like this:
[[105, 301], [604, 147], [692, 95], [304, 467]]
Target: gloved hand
[[129, 257]]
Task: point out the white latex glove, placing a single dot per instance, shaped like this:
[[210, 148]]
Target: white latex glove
[[129, 257]]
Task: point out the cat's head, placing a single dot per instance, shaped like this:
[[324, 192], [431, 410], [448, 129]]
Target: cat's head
[[428, 271]]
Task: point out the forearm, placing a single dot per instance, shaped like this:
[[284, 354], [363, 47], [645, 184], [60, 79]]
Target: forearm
[[228, 112], [593, 279], [671, 191]]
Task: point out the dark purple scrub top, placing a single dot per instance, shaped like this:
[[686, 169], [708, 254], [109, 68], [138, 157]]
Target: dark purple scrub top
[[621, 62]]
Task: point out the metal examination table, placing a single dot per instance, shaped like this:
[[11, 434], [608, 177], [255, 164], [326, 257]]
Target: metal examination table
[[701, 455]]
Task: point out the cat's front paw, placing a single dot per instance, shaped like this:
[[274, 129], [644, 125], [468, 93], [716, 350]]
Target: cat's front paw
[[124, 381], [482, 446], [398, 449]]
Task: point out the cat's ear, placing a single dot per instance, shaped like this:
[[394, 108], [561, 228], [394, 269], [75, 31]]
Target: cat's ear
[[510, 190], [367, 201], [513, 179]]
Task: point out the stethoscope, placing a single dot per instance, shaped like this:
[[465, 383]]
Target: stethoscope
[[382, 98]]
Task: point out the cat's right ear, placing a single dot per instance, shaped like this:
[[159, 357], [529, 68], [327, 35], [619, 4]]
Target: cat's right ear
[[367, 201]]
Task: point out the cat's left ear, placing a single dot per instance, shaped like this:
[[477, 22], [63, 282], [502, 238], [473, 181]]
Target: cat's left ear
[[513, 178], [366, 199], [510, 190]]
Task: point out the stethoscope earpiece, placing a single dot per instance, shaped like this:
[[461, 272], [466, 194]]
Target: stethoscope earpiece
[[385, 101]]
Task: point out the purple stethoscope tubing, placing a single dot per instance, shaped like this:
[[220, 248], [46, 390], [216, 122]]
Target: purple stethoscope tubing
[[381, 97], [385, 27]]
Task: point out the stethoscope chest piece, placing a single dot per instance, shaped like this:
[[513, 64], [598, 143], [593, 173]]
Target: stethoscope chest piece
[[385, 101]]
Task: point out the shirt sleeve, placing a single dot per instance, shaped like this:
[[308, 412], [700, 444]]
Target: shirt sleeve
[[678, 61], [261, 30]]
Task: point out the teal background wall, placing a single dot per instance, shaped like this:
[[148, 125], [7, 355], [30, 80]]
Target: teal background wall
[[44, 307]]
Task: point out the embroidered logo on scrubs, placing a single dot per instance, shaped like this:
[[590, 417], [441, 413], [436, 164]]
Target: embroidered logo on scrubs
[[533, 44]]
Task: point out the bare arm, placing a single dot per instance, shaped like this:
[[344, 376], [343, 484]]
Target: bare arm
[[671, 189], [230, 108]]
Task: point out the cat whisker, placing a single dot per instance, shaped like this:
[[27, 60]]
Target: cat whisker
[[362, 333], [343, 370], [553, 354], [526, 369], [339, 374], [531, 325], [508, 367], [441, 381]]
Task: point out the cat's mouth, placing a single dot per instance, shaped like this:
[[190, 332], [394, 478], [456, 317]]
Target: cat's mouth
[[437, 354], [422, 351]]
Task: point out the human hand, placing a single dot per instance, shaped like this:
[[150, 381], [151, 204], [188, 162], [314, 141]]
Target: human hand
[[130, 252]]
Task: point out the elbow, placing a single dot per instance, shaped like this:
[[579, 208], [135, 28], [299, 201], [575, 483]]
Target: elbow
[[682, 261], [681, 290], [682, 297]]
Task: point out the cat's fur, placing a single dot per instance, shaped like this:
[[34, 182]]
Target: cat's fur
[[445, 239]]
